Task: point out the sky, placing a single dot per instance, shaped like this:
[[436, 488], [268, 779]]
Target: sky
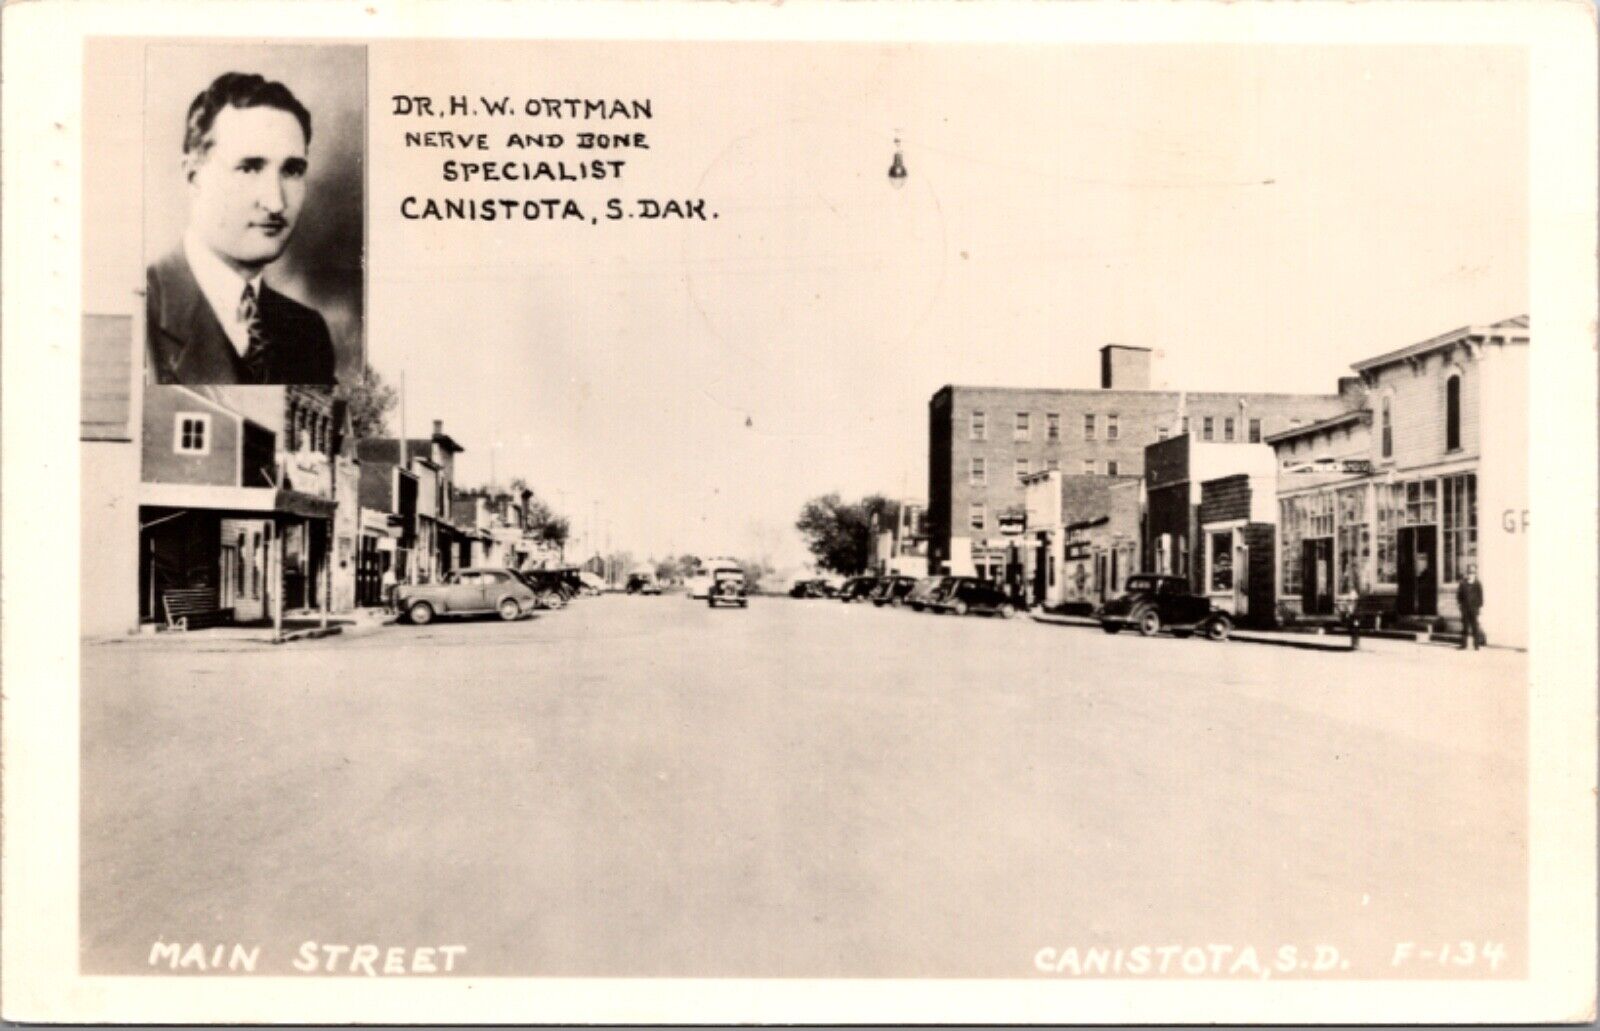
[[1260, 217]]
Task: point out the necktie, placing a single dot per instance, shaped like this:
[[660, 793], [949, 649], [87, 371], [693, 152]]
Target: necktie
[[255, 355]]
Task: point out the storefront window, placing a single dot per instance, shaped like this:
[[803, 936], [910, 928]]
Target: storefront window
[[1355, 541], [1220, 546], [1390, 504], [1291, 531], [1460, 525]]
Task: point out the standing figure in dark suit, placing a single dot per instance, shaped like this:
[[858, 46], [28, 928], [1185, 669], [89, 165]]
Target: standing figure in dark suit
[[211, 318], [1469, 595]]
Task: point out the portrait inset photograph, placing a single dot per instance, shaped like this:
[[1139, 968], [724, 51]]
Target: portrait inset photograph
[[253, 214]]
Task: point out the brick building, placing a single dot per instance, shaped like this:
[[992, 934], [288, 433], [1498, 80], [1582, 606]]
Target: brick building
[[983, 441], [1176, 473]]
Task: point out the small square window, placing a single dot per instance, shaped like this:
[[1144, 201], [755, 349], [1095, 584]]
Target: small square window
[[1088, 467], [975, 517], [1111, 468], [979, 427], [1052, 465], [192, 433], [1023, 469], [977, 473], [1112, 429], [1088, 427], [1024, 429], [1052, 426]]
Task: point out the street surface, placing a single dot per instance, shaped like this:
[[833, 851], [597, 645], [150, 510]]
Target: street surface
[[646, 787]]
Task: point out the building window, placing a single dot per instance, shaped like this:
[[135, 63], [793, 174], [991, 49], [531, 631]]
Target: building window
[[1052, 465], [1255, 431], [1422, 502], [1088, 426], [192, 433], [1111, 468], [1227, 429], [1391, 510], [977, 475], [1354, 545], [1088, 467], [1185, 425], [1208, 428], [1052, 426], [1024, 429], [1452, 413], [1022, 469], [1219, 558], [1161, 433], [1112, 429], [1460, 525], [1386, 419], [980, 429], [975, 516], [1291, 531]]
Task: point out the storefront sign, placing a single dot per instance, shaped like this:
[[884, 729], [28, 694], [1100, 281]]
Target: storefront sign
[[1327, 466], [1012, 523]]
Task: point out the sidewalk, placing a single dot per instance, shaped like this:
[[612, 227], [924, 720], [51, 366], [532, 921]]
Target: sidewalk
[[1303, 639], [298, 626]]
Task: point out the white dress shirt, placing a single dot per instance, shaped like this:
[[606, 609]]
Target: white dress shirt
[[223, 289]]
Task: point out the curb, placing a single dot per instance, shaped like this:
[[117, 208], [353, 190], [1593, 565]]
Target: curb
[[1244, 636]]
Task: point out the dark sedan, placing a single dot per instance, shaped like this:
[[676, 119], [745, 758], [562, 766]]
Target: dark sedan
[[968, 595], [1151, 604], [893, 590], [857, 588]]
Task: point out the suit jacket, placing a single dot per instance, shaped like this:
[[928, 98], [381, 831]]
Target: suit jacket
[[1470, 596], [188, 345]]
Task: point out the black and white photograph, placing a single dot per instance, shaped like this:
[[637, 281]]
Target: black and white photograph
[[253, 212], [896, 521]]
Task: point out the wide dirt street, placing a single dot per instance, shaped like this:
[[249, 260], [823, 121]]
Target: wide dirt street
[[643, 786]]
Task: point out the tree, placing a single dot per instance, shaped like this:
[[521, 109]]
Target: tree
[[370, 400], [839, 533]]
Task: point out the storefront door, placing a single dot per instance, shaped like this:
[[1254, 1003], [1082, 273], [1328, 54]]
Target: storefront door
[[1316, 565], [1418, 572]]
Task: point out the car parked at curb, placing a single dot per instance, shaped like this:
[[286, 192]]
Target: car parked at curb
[[968, 595], [857, 588], [892, 590], [467, 592], [925, 591], [1151, 604]]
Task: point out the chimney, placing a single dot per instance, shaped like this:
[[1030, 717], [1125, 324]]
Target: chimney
[[1352, 391], [1124, 368], [438, 427]]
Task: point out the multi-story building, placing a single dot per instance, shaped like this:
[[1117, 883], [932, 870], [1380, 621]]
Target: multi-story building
[[984, 442], [1384, 507], [413, 479], [236, 498]]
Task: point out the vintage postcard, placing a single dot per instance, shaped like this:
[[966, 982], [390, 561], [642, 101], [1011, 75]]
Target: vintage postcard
[[1030, 513]]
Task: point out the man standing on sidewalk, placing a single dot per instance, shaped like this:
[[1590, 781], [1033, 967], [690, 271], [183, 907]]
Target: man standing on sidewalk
[[1469, 595], [390, 582]]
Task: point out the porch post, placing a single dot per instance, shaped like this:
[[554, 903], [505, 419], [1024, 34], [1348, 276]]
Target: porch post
[[275, 581]]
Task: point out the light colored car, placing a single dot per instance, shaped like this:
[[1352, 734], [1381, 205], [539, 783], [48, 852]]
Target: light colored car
[[467, 592]]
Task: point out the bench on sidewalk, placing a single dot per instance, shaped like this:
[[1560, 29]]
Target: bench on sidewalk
[[190, 608]]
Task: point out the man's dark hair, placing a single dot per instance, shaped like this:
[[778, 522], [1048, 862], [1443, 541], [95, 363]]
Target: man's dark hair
[[238, 89]]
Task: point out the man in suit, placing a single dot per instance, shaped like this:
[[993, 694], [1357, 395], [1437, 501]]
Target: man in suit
[[211, 318], [1469, 595]]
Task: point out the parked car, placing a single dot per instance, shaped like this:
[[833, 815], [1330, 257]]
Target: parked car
[[728, 588], [812, 589], [925, 590], [969, 595], [546, 591], [892, 590], [857, 588], [1155, 603], [467, 592]]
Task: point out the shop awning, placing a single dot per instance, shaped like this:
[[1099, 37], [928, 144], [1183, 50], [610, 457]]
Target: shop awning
[[260, 500]]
